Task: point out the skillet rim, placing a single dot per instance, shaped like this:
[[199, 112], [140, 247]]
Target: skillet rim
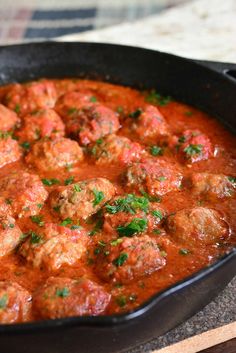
[[145, 307]]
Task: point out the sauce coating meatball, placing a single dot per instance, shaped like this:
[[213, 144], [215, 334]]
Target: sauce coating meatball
[[212, 186], [70, 103], [49, 155], [29, 97], [43, 123], [15, 303], [128, 259], [10, 235], [149, 123], [199, 224], [10, 151], [62, 297], [81, 200], [8, 119], [54, 246], [23, 192], [116, 149], [155, 176]]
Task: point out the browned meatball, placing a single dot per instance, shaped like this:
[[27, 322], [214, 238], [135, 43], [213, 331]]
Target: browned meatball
[[212, 186], [10, 235], [43, 123], [83, 199], [157, 177], [63, 297], [15, 303], [199, 224], [5, 207], [116, 149], [51, 155], [149, 123], [128, 259], [24, 192], [31, 96], [8, 119], [54, 246], [132, 214], [71, 102], [10, 151]]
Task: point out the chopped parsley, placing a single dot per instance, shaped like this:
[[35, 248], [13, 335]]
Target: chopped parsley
[[56, 208], [25, 145], [188, 113], [137, 225], [77, 188], [98, 197], [156, 151], [69, 166], [120, 260], [75, 226], [191, 150], [120, 110], [161, 178], [69, 180], [11, 225], [116, 241], [72, 110], [97, 227], [129, 204], [121, 301], [50, 182], [136, 114], [99, 141], [182, 139], [35, 238], [151, 198], [232, 179], [156, 98], [3, 301], [17, 108], [158, 214], [8, 201], [38, 219], [93, 99], [39, 205], [66, 221], [62, 292], [184, 251]]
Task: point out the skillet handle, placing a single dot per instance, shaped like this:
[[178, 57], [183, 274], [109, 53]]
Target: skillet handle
[[226, 69]]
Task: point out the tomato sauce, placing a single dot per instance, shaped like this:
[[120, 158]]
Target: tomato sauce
[[182, 258]]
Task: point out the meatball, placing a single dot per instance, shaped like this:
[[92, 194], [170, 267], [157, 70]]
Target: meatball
[[149, 123], [63, 297], [83, 199], [91, 123], [131, 214], [31, 96], [10, 151], [70, 103], [15, 303], [5, 207], [116, 149], [194, 146], [43, 123], [8, 119], [212, 186], [54, 246], [24, 192], [155, 176], [49, 155], [199, 224], [128, 259], [10, 235]]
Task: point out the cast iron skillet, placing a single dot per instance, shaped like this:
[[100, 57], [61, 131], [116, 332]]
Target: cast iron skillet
[[208, 86]]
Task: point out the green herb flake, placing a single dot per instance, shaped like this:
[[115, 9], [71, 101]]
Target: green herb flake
[[50, 182], [157, 231], [97, 227], [69, 166], [99, 141], [11, 225], [137, 225], [232, 179], [25, 145], [136, 114], [69, 180], [8, 201], [121, 301], [182, 139], [72, 110], [156, 98], [93, 99], [156, 151], [3, 301], [38, 219], [66, 222], [17, 108], [56, 208], [191, 150], [188, 113], [151, 198], [77, 188], [158, 214], [98, 197], [62, 292], [161, 178], [75, 226], [35, 238], [184, 252], [120, 260], [116, 242], [120, 110], [40, 205], [129, 204]]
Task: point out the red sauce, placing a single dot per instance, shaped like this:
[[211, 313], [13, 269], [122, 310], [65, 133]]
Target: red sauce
[[163, 139]]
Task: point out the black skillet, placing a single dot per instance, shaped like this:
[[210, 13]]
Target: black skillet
[[208, 86]]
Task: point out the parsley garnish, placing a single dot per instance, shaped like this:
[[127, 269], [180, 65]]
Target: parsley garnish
[[193, 149], [69, 180], [156, 151], [25, 145], [156, 98], [77, 188], [93, 99], [121, 301], [182, 139], [158, 214], [72, 110], [136, 114], [3, 301], [184, 251], [17, 108], [97, 227], [38, 219], [62, 292], [66, 221], [232, 179], [161, 178], [98, 197], [75, 226], [129, 204], [35, 238], [120, 260], [189, 113], [137, 225], [50, 182]]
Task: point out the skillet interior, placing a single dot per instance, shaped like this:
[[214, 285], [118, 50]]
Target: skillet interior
[[141, 68]]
